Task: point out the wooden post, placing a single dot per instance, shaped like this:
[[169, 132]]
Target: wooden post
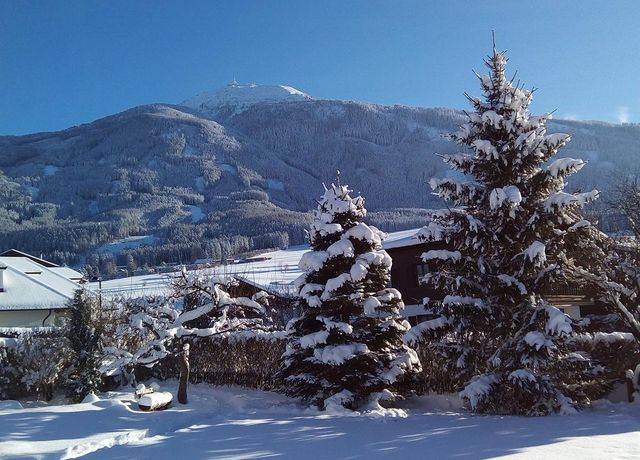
[[630, 390], [632, 382], [184, 374]]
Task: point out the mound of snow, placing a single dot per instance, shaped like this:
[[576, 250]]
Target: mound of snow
[[90, 398], [108, 442], [108, 403], [240, 97], [10, 404]]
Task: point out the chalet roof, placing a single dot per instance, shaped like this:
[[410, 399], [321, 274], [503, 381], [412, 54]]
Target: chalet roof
[[414, 310], [28, 285], [273, 290], [38, 260], [402, 239], [68, 273]]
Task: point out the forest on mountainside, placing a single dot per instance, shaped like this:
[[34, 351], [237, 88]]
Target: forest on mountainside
[[192, 187]]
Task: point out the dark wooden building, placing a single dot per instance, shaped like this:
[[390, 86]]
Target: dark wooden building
[[408, 268]]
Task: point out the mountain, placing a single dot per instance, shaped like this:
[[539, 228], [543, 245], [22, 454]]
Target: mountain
[[237, 169]]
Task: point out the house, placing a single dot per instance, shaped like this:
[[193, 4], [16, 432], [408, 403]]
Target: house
[[283, 305], [406, 250], [34, 292], [406, 271], [275, 272]]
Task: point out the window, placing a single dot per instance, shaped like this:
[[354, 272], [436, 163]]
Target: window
[[417, 319], [421, 270]]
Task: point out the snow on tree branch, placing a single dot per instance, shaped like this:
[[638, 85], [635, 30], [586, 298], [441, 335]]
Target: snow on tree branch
[[198, 307]]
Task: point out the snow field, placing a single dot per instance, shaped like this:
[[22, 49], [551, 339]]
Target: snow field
[[236, 423]]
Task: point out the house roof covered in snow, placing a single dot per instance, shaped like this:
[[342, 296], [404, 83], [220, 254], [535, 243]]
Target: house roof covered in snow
[[16, 253], [69, 273], [401, 239], [28, 285]]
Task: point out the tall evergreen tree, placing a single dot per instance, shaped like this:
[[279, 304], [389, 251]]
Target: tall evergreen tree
[[347, 349], [511, 234], [84, 334]]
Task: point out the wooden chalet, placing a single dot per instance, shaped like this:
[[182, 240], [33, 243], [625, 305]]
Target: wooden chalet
[[408, 268]]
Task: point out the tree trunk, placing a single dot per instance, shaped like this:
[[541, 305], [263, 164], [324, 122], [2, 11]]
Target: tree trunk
[[184, 374]]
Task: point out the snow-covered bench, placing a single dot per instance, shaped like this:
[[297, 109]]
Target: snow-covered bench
[[149, 399]]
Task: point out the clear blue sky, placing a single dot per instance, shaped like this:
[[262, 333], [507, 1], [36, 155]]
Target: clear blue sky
[[64, 63]]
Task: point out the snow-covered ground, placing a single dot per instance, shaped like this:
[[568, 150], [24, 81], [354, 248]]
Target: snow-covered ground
[[197, 214], [130, 242], [50, 170], [235, 423], [136, 286]]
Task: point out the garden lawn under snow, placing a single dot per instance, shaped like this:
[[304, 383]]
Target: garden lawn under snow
[[236, 423]]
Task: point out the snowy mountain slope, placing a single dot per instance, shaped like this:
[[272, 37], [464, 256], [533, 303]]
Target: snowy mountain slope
[[249, 160], [235, 98]]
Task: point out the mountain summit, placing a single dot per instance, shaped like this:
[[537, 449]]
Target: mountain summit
[[237, 97]]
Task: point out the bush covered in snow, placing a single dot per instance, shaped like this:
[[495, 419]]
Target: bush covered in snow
[[34, 365], [199, 312], [613, 353]]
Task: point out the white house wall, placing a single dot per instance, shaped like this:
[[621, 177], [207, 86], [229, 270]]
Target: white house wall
[[29, 318]]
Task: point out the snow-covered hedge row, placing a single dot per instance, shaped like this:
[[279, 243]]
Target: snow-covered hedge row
[[616, 352], [252, 363]]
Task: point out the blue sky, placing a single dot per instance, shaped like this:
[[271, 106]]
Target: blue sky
[[64, 63]]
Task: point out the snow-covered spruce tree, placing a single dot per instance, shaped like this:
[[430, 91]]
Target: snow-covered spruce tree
[[84, 335], [346, 351], [510, 235]]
